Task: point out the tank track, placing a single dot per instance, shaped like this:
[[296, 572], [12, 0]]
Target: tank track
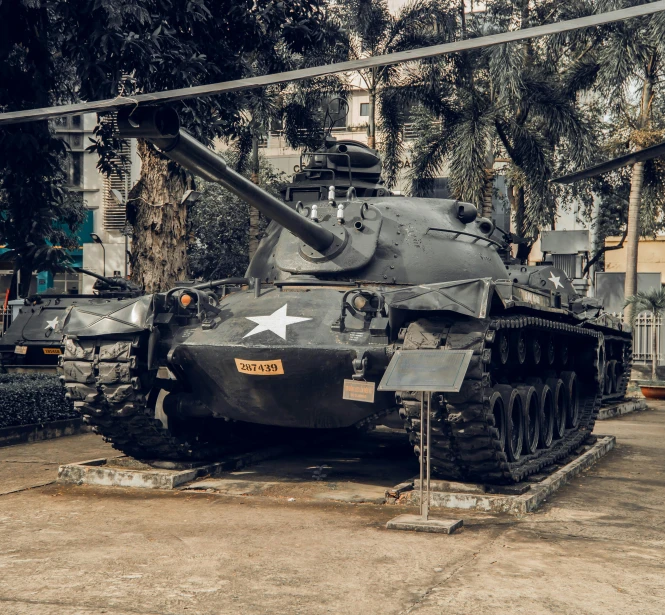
[[619, 351], [110, 385], [466, 441]]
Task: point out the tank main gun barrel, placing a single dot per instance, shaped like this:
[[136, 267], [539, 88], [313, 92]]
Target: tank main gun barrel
[[110, 281], [162, 128]]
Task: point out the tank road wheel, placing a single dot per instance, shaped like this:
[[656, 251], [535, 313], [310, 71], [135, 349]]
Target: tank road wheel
[[512, 401], [560, 407], [546, 404], [110, 385], [572, 399], [518, 343], [531, 408], [498, 410]]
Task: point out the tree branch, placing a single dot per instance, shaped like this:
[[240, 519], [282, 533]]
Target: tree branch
[[602, 251]]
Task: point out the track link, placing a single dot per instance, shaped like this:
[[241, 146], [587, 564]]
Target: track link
[[110, 385], [467, 444]]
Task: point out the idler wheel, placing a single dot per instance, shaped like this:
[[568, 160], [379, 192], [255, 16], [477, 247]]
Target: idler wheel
[[519, 346], [547, 414], [559, 403], [498, 410], [512, 401], [572, 396], [531, 408]]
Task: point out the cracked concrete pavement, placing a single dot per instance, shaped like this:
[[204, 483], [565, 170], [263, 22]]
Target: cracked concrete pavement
[[596, 547]]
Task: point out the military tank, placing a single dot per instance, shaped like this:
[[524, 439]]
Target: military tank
[[346, 275], [33, 342]]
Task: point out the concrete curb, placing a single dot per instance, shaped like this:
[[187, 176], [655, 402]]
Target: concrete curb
[[625, 407], [536, 493], [127, 472], [21, 434]]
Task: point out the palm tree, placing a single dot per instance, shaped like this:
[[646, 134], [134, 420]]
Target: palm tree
[[652, 301], [507, 101], [624, 64], [374, 31]]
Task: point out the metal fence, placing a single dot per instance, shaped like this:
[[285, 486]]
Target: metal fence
[[643, 338]]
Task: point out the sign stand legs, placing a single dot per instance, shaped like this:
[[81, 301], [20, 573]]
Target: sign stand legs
[[422, 522]]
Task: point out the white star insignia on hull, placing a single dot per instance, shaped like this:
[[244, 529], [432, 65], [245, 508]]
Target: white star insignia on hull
[[555, 279], [276, 322]]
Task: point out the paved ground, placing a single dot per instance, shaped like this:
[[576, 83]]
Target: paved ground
[[598, 547]]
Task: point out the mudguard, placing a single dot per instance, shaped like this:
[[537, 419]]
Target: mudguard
[[113, 317], [468, 297]]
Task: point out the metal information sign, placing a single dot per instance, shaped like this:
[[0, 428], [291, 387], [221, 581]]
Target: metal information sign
[[440, 371], [426, 371]]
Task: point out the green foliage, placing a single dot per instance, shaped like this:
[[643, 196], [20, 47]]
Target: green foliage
[[652, 301], [220, 227], [34, 202], [508, 101]]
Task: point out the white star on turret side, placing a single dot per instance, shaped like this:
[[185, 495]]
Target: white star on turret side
[[555, 279], [276, 322], [51, 324]]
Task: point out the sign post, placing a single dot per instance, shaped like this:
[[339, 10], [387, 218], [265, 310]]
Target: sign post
[[426, 372]]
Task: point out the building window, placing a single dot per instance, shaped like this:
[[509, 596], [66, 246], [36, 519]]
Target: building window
[[364, 109], [75, 169], [76, 121]]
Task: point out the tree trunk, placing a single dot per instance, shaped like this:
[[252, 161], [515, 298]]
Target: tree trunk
[[254, 216], [159, 221], [633, 235], [371, 134], [654, 345], [486, 211], [636, 181]]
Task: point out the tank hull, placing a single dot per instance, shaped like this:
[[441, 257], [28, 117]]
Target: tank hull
[[315, 361]]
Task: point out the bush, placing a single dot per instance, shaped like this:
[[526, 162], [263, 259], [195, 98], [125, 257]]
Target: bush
[[28, 399]]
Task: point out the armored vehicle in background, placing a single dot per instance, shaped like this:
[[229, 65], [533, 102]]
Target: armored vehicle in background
[[33, 342], [346, 276]]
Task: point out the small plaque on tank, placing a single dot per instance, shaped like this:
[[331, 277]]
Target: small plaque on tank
[[52, 350], [260, 368], [20, 349], [358, 390]]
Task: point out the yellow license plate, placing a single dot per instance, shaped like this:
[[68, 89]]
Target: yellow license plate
[[52, 350], [260, 368]]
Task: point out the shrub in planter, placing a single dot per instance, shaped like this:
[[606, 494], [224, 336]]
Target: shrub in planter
[[28, 399]]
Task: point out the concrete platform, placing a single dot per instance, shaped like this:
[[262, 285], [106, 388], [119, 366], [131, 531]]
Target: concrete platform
[[415, 523], [624, 407], [128, 472], [517, 499]]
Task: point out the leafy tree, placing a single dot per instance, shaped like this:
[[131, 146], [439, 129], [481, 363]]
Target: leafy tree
[[37, 214], [624, 65], [129, 46], [508, 102], [373, 30], [220, 227], [652, 301]]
